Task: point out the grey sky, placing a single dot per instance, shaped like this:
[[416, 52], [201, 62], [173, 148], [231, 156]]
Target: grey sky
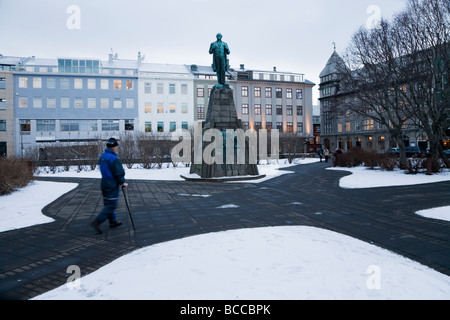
[[293, 35]]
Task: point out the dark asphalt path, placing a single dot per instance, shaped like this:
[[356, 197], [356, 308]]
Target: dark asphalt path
[[34, 260]]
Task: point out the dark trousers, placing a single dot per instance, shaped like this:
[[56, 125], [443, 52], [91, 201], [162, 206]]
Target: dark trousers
[[108, 212]]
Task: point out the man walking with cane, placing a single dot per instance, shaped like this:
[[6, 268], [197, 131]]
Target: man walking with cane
[[113, 176]]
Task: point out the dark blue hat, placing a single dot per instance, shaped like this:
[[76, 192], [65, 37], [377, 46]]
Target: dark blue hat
[[112, 142]]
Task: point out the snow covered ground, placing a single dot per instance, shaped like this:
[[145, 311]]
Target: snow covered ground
[[264, 263], [277, 263], [23, 208]]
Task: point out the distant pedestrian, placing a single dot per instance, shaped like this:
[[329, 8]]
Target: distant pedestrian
[[326, 153], [320, 153], [113, 176]]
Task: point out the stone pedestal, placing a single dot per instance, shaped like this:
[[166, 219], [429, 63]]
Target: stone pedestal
[[222, 115]]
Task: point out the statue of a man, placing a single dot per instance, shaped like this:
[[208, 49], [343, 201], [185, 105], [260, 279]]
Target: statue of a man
[[220, 50]]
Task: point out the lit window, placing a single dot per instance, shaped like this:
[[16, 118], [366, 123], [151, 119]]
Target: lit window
[[289, 111], [129, 85], [244, 91], [257, 109], [117, 85], [148, 107], [289, 93], [290, 127]]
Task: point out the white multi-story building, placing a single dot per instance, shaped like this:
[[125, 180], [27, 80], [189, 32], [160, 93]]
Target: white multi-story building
[[165, 97]]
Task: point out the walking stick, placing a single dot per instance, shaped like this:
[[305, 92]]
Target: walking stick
[[128, 207]]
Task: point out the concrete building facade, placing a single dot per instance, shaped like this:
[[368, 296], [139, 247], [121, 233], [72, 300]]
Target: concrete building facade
[[274, 99], [66, 100], [165, 98]]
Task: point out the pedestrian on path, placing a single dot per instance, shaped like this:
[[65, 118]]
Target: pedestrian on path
[[320, 153], [326, 153], [113, 176]]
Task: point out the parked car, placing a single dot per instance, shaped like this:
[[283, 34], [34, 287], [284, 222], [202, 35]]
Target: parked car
[[411, 151]]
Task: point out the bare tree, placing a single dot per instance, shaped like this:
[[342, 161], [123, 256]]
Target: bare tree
[[422, 43], [291, 145], [368, 79], [398, 73], [128, 151]]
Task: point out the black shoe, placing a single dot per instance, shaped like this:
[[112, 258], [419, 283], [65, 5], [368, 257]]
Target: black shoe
[[115, 224], [96, 226]]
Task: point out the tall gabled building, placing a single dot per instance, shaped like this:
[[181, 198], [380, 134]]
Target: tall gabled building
[[342, 128]]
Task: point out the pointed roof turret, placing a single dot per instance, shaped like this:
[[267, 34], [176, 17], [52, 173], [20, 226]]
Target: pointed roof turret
[[333, 65]]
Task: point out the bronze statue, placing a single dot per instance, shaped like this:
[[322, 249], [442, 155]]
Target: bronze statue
[[220, 50]]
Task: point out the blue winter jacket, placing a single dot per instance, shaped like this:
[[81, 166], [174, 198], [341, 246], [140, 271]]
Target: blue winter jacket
[[113, 174]]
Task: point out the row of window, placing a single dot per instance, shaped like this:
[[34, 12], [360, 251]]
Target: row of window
[[160, 126], [66, 102], [268, 92], [279, 126], [160, 88], [76, 83], [367, 125], [268, 109], [75, 125], [160, 108]]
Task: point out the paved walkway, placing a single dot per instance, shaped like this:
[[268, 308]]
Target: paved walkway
[[34, 260]]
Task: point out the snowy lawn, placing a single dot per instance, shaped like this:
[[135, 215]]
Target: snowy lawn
[[273, 263], [23, 208], [363, 177], [170, 173], [263, 263]]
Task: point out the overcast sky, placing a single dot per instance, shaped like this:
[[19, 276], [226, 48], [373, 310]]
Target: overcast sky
[[293, 35]]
